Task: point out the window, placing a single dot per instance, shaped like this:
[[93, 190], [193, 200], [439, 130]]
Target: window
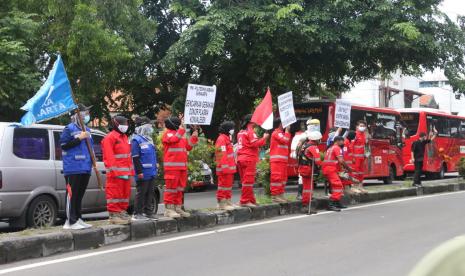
[[31, 143], [312, 111], [384, 127], [98, 147], [441, 124], [462, 129], [454, 126], [425, 84], [56, 139], [410, 122]]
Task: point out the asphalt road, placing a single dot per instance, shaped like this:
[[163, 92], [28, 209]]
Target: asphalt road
[[386, 238]]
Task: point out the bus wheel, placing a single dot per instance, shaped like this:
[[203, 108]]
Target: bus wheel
[[392, 174], [441, 174]]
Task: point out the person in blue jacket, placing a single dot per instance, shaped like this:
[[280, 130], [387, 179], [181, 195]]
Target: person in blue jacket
[[77, 167], [144, 157]]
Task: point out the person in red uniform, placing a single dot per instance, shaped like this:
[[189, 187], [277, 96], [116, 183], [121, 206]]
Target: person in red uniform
[[225, 165], [247, 159], [309, 161], [279, 157], [118, 163], [175, 148], [348, 151], [359, 144], [331, 167]]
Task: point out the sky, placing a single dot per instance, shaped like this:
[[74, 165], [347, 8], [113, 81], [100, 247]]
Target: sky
[[453, 8]]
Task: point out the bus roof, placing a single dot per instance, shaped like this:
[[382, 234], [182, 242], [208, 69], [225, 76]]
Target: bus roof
[[358, 106], [429, 111]]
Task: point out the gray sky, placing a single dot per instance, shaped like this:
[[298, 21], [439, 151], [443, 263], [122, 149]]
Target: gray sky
[[453, 8]]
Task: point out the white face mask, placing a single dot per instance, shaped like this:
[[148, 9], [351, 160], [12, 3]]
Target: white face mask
[[231, 132], [362, 129], [123, 128]]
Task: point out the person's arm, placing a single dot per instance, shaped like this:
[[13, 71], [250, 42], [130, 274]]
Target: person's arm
[[67, 141], [171, 138], [340, 159], [255, 141], [108, 154], [135, 153], [192, 141], [412, 150], [282, 138]]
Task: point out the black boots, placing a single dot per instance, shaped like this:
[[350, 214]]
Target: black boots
[[299, 191], [333, 206], [340, 205]]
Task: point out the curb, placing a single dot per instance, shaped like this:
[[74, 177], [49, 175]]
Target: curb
[[41, 245]]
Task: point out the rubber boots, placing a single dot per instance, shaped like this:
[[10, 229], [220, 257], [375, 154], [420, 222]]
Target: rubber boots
[[223, 205], [170, 211], [332, 206], [277, 199], [180, 211], [117, 218]]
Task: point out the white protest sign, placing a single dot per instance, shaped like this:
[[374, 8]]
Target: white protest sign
[[342, 115], [286, 109], [200, 101]]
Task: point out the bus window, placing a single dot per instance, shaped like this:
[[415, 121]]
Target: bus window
[[454, 126], [441, 124], [385, 127], [313, 111], [411, 121], [462, 129]]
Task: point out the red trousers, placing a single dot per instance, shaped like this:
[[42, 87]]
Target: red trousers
[[335, 183], [247, 170], [307, 188], [175, 183], [225, 182], [278, 178], [359, 169], [118, 192]]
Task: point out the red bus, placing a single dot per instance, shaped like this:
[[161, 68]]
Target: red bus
[[444, 153], [385, 145]]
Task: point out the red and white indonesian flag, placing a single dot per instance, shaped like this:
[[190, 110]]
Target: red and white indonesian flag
[[263, 114]]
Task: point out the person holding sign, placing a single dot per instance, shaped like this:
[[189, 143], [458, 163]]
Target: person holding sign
[[279, 156], [247, 159], [118, 162], [359, 144], [77, 167], [225, 166], [175, 147]]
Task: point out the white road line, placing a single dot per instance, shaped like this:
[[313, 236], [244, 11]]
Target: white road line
[[206, 233]]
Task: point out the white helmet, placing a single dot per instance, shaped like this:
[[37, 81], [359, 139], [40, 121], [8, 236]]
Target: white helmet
[[314, 136]]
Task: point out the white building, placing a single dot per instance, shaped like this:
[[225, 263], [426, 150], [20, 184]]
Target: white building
[[399, 91], [436, 84]]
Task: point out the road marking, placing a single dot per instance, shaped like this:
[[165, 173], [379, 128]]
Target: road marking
[[211, 232]]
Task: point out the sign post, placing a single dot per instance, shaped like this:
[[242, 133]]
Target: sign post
[[342, 114], [200, 101], [286, 109]]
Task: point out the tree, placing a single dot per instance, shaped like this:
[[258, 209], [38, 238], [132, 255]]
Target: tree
[[19, 75], [316, 47]]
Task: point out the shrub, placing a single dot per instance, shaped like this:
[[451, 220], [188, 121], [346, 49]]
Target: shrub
[[263, 173]]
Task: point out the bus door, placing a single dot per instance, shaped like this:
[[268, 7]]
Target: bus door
[[433, 160], [382, 129]]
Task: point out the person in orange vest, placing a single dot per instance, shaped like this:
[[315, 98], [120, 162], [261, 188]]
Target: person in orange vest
[[279, 156], [225, 166], [247, 158], [118, 163], [359, 144], [332, 164], [309, 162], [175, 148]]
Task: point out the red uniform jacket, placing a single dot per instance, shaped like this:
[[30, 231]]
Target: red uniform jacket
[[359, 144], [224, 154], [279, 146], [175, 148], [117, 154], [312, 152], [348, 152], [248, 145], [331, 163]]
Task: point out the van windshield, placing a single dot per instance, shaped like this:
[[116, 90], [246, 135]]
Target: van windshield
[[307, 111], [411, 121]]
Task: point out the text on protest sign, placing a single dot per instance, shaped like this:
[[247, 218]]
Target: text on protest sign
[[342, 115], [286, 109], [200, 101]]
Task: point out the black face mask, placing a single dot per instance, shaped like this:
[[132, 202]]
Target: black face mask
[[341, 146]]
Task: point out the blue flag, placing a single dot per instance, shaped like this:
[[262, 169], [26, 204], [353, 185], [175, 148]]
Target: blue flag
[[53, 98]]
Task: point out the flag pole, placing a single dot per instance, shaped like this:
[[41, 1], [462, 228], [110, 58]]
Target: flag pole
[[89, 147]]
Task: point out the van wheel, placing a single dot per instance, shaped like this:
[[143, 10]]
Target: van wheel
[[42, 212], [156, 199], [392, 174], [442, 173]]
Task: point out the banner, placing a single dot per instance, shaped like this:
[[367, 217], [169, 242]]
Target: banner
[[342, 115], [200, 102], [53, 98], [286, 109]]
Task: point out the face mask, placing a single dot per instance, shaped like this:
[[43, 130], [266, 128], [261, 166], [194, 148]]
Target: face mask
[[123, 128], [231, 132], [86, 119], [362, 129], [341, 146]]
